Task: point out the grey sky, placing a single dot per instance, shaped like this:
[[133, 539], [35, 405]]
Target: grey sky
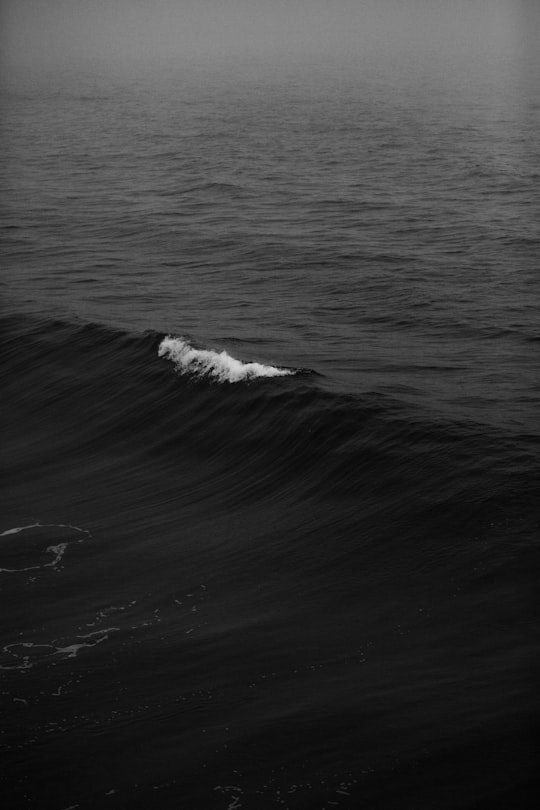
[[52, 30]]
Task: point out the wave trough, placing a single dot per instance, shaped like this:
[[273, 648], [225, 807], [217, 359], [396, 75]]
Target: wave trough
[[219, 366]]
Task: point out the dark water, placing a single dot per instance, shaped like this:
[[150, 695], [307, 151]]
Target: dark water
[[307, 583]]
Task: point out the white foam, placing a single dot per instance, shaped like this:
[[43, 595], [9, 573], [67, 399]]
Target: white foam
[[217, 365], [71, 650], [58, 550], [18, 529], [23, 660]]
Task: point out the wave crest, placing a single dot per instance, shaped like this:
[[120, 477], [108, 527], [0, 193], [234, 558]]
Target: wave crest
[[214, 365]]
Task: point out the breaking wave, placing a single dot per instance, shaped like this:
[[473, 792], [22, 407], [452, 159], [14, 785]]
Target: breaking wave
[[219, 366]]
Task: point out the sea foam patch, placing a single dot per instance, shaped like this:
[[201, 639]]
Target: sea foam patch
[[219, 366], [29, 548], [26, 654]]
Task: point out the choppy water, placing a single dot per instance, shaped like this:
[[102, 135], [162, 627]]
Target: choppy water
[[271, 447]]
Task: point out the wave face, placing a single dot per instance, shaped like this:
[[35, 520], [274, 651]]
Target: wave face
[[219, 366], [254, 553], [242, 555]]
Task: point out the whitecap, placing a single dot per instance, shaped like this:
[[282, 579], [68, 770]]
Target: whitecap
[[215, 365]]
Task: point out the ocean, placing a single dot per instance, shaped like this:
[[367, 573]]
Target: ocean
[[270, 412]]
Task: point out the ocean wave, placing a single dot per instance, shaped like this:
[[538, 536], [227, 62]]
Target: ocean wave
[[300, 437], [219, 366]]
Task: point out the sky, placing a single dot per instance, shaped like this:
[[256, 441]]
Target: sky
[[38, 31]]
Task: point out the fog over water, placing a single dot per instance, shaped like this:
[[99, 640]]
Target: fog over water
[[120, 31]]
